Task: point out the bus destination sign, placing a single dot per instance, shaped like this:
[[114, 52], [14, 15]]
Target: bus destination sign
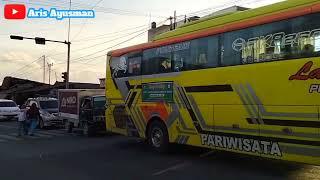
[[157, 92]]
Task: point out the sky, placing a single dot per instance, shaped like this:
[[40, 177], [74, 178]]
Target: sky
[[115, 23]]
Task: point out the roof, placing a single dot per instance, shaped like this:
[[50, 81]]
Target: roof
[[235, 21], [61, 85]]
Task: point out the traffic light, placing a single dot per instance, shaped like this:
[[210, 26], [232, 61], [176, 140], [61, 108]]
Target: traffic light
[[64, 76], [40, 40]]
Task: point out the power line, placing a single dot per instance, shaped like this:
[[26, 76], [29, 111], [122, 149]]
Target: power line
[[94, 45], [20, 69], [107, 34], [127, 40], [86, 20], [207, 11]]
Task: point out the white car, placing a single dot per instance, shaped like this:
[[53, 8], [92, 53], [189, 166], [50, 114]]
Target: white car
[[8, 110]]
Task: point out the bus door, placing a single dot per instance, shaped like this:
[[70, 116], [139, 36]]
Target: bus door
[[116, 115], [135, 124]]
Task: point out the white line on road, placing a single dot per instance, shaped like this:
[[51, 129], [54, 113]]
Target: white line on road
[[57, 131], [206, 154], [10, 137], [172, 168], [52, 133], [9, 127], [40, 134]]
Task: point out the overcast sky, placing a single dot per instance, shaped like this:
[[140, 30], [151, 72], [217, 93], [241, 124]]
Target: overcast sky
[[115, 22]]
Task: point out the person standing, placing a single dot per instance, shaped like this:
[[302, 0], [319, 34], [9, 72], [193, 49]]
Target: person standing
[[22, 122], [33, 115]]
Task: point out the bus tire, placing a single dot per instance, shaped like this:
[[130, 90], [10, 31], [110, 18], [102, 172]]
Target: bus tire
[[158, 137]]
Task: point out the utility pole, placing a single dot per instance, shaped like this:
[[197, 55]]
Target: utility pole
[[171, 27], [56, 76], [49, 69], [68, 66], [68, 43], [175, 19], [44, 68]]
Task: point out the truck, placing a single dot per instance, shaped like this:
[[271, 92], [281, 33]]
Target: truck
[[83, 109]]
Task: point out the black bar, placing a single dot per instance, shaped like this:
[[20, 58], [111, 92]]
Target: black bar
[[212, 88], [294, 123], [288, 123]]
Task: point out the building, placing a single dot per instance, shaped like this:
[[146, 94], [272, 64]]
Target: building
[[20, 90], [155, 31]]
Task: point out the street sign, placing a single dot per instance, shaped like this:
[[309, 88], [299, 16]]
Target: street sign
[[157, 92]]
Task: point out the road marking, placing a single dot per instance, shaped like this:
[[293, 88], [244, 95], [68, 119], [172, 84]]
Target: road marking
[[10, 137], [206, 154], [33, 137], [172, 168], [40, 134], [52, 133], [9, 127], [57, 131]]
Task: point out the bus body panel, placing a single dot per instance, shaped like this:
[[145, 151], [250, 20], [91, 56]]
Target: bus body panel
[[256, 93], [247, 118]]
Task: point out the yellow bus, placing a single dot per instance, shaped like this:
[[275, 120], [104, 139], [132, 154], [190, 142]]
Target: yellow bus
[[246, 82]]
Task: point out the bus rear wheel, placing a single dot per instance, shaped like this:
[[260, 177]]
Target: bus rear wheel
[[158, 137]]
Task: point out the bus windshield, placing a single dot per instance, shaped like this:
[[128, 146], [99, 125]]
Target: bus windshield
[[99, 102]]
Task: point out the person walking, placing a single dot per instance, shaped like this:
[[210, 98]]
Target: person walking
[[22, 122], [33, 115]]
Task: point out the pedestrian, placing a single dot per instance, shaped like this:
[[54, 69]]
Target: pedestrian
[[22, 121], [33, 115]]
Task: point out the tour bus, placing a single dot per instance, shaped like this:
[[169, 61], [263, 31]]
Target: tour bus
[[247, 82]]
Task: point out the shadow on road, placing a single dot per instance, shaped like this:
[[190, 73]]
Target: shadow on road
[[224, 160]]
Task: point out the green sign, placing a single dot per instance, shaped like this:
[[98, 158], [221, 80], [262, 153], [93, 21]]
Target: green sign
[[157, 92]]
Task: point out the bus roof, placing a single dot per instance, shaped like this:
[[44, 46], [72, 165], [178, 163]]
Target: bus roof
[[239, 20]]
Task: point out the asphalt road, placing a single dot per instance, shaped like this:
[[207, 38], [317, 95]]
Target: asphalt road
[[56, 155]]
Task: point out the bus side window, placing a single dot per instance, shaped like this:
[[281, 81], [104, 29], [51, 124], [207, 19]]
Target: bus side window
[[134, 66], [179, 60], [155, 61]]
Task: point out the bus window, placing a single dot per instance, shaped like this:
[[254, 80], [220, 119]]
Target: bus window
[[236, 49], [134, 68], [179, 60], [154, 62], [204, 53], [317, 43], [119, 67], [165, 65]]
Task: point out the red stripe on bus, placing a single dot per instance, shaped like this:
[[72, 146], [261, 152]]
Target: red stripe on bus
[[226, 28], [158, 108]]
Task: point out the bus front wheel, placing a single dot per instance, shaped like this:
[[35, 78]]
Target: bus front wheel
[[158, 137]]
